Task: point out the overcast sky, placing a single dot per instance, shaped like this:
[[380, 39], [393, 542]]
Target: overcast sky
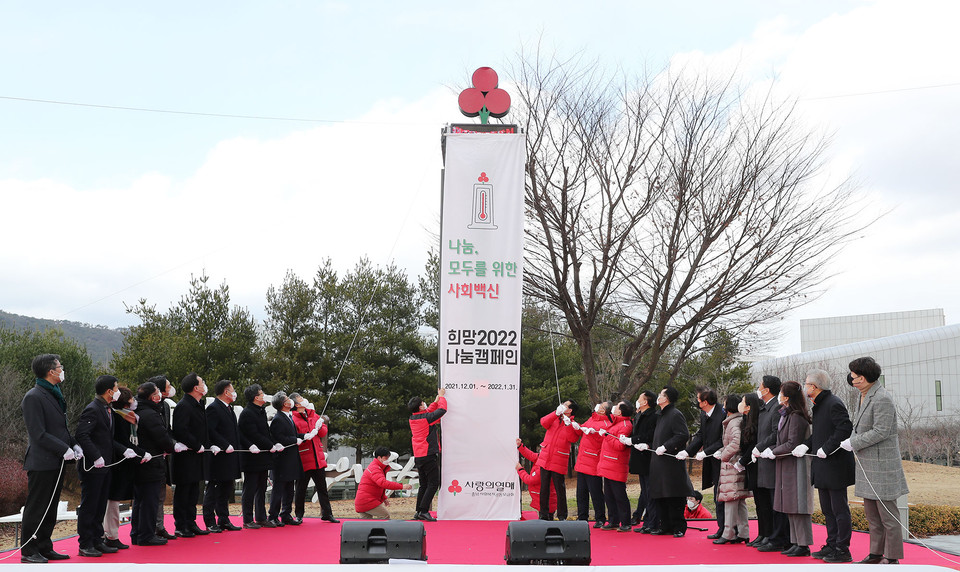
[[103, 206]]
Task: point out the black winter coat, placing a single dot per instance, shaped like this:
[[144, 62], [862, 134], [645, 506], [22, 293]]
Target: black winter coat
[[709, 437], [831, 425], [222, 431], [153, 438], [767, 429], [189, 428], [254, 430], [668, 476], [644, 424], [94, 434], [286, 465], [123, 474]]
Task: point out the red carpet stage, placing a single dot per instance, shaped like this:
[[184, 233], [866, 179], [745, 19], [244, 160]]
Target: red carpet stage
[[459, 542]]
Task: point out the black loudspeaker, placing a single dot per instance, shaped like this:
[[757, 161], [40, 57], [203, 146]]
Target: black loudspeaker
[[375, 542], [548, 542]]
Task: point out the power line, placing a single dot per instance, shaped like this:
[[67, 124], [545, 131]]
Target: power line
[[880, 92]]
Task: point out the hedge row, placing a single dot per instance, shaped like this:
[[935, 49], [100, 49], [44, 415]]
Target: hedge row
[[925, 519]]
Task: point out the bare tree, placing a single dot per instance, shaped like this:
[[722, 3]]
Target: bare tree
[[910, 416], [667, 209]]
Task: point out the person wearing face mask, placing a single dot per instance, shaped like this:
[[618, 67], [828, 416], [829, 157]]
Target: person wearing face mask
[[312, 459], [371, 500], [167, 391], [154, 440], [733, 490], [613, 465], [425, 439], [644, 425], [190, 432], [589, 482], [123, 473], [532, 479], [49, 446], [879, 474], [669, 483], [287, 467], [256, 440], [772, 525], [95, 435], [749, 407], [832, 468], [555, 456], [222, 466], [694, 510], [705, 444], [794, 493]]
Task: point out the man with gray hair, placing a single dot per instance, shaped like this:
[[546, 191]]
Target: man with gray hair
[[832, 469], [286, 466]]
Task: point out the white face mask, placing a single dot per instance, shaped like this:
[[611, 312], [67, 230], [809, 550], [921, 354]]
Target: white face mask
[[133, 405], [637, 405], [691, 504], [760, 394], [171, 392], [598, 408], [63, 375], [116, 395], [233, 395]]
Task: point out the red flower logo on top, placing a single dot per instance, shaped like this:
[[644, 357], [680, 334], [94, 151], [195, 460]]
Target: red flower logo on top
[[484, 98], [483, 178], [455, 487]]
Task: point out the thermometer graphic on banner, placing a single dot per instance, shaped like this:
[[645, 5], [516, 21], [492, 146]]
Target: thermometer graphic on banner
[[482, 215]]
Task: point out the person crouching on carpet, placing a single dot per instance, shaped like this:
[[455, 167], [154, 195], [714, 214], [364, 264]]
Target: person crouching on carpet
[[695, 509], [371, 500], [532, 479]]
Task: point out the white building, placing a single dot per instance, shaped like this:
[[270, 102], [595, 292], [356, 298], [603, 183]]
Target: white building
[[920, 367]]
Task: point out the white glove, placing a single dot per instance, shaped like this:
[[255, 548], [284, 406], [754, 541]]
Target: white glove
[[846, 445], [310, 435], [214, 449], [78, 451], [99, 463], [201, 449], [641, 446], [230, 449], [588, 430], [738, 467], [700, 456], [179, 447], [566, 420], [254, 449], [821, 453], [661, 450], [561, 409], [299, 440], [602, 432], [717, 454], [800, 450], [69, 455], [575, 425], [318, 424], [768, 454], [276, 447], [755, 452], [681, 456], [146, 458], [129, 453], [626, 440]]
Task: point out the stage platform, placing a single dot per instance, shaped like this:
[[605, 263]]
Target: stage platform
[[455, 543]]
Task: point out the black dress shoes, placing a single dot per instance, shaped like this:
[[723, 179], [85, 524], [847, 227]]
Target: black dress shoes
[[51, 555], [291, 521], [872, 559], [32, 559], [679, 534], [771, 547], [198, 531], [757, 541], [598, 524], [273, 523], [229, 526], [642, 530], [153, 541], [214, 529], [715, 535], [736, 540], [115, 543], [162, 533], [90, 552], [184, 533], [424, 516], [797, 550], [252, 525], [660, 532], [102, 547], [329, 518]]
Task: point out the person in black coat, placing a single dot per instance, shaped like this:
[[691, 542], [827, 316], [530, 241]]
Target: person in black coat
[[773, 526], [255, 438], [190, 432], [155, 441], [669, 483], [644, 425], [122, 474], [94, 434], [287, 467], [832, 469], [167, 391], [49, 446], [222, 464], [707, 441]]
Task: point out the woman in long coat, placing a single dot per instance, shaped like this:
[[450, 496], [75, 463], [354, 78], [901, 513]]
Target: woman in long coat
[[732, 491], [794, 493], [880, 478]]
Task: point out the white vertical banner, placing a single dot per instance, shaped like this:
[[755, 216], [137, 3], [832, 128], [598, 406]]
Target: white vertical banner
[[481, 283]]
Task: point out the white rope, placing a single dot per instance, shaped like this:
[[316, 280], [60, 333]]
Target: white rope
[[49, 504]]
